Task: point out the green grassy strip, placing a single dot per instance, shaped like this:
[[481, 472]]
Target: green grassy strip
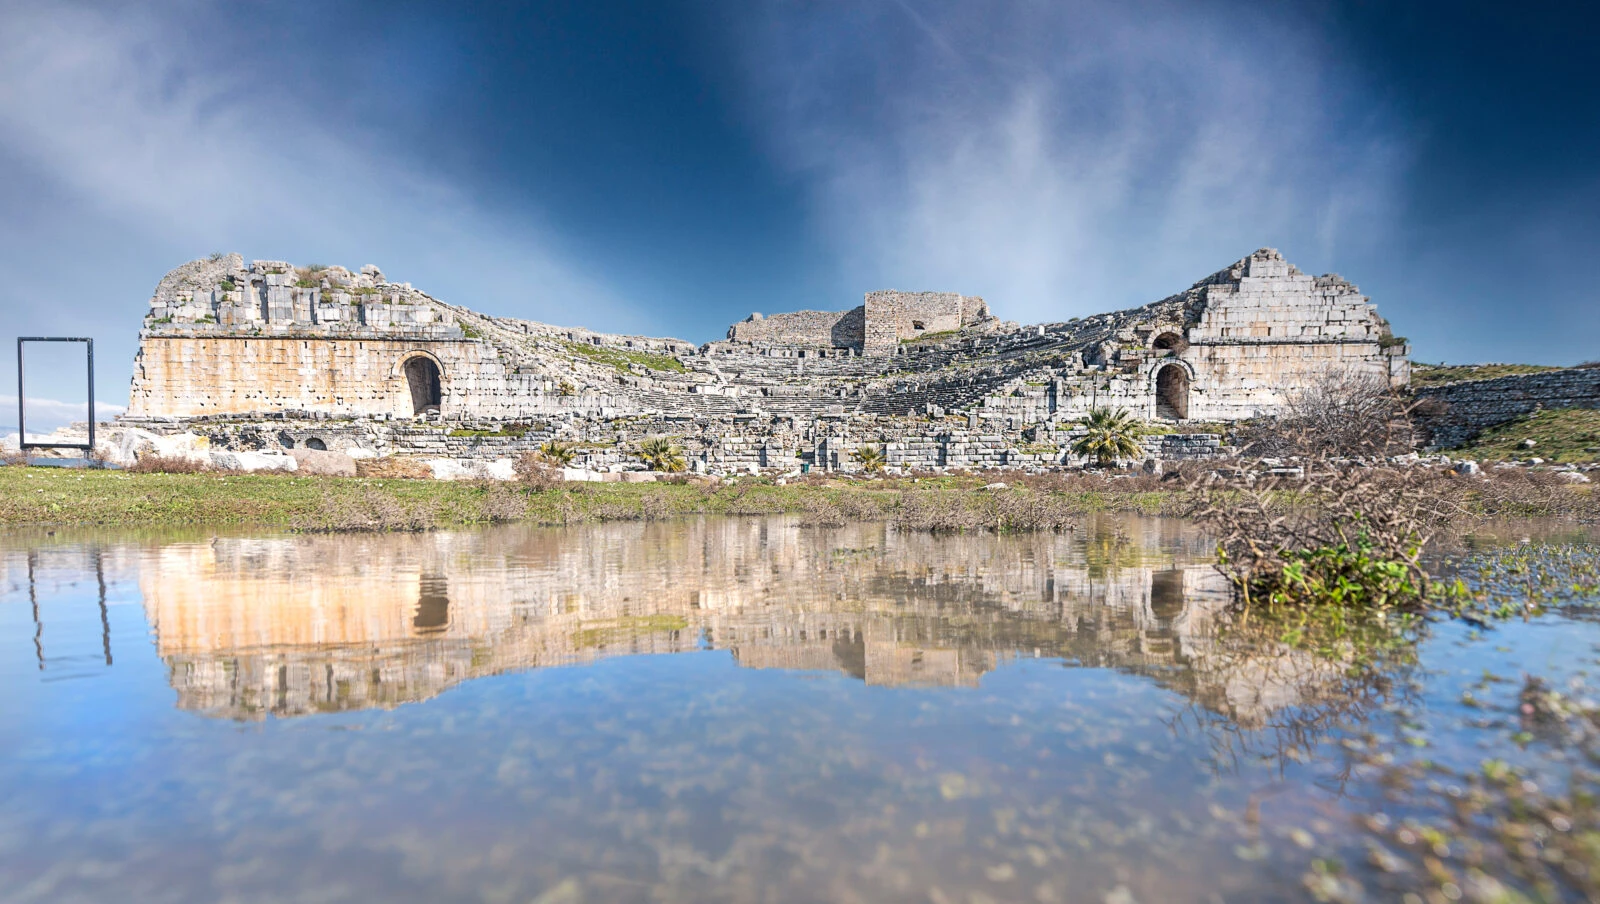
[[622, 358], [1558, 434], [55, 496], [1438, 374]]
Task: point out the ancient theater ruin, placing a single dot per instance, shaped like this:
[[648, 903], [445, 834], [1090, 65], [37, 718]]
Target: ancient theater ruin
[[267, 355]]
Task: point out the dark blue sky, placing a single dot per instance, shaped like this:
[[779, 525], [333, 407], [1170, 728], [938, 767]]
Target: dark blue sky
[[668, 167]]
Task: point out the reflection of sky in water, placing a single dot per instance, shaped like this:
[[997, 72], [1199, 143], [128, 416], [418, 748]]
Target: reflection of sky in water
[[848, 715]]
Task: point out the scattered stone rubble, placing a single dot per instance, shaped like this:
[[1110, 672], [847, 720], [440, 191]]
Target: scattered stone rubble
[[273, 358]]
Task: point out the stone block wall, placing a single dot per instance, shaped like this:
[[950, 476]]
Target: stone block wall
[[824, 329], [1269, 298], [1460, 411], [892, 316], [187, 376], [1242, 380]]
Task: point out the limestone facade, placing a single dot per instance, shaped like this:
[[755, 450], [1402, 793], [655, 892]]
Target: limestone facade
[[934, 376]]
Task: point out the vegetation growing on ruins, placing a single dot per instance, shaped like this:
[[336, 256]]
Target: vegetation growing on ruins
[[940, 336], [870, 458], [662, 454], [512, 430], [557, 453], [1423, 375], [621, 358], [1112, 434]]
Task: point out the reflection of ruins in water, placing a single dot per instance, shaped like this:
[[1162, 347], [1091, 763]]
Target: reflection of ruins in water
[[294, 625]]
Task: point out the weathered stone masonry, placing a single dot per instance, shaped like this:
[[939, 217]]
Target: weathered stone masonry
[[1460, 411], [933, 376]]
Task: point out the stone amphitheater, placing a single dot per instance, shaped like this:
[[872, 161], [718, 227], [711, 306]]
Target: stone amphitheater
[[268, 356]]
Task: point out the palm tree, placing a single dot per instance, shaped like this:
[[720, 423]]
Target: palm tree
[[870, 458], [1113, 434], [661, 454], [557, 453]]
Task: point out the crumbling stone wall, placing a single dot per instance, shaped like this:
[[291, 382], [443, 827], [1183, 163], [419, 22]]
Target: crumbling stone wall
[[1455, 413], [892, 316], [824, 329]]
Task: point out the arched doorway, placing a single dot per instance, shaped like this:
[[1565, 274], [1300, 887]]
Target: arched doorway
[[422, 376], [433, 605], [1172, 392], [1166, 594]]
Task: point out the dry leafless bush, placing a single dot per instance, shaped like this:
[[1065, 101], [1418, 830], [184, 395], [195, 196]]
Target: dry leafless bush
[[501, 503], [1268, 530], [1528, 492], [650, 507], [369, 511], [821, 512], [746, 501], [844, 508], [1000, 511], [167, 464], [864, 506], [1343, 414], [1031, 512], [393, 467], [937, 511], [535, 472]]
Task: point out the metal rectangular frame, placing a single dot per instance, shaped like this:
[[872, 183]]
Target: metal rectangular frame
[[22, 404]]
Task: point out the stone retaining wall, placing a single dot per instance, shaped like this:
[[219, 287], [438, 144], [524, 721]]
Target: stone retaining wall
[[1461, 411]]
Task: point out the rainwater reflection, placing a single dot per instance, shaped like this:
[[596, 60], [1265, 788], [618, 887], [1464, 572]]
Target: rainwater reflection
[[837, 714], [301, 624]]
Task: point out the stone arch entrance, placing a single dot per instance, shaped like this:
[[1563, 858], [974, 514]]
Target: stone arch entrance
[[433, 605], [423, 379], [1172, 392]]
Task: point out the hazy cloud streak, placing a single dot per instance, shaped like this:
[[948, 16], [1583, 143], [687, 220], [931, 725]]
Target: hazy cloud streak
[[1064, 159], [122, 135], [45, 415]]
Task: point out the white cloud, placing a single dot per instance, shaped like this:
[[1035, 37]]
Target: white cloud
[[1064, 158], [118, 141], [45, 415]]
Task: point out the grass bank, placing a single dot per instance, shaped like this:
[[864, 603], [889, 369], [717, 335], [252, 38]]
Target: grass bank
[[1424, 375], [54, 496], [1558, 435]]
